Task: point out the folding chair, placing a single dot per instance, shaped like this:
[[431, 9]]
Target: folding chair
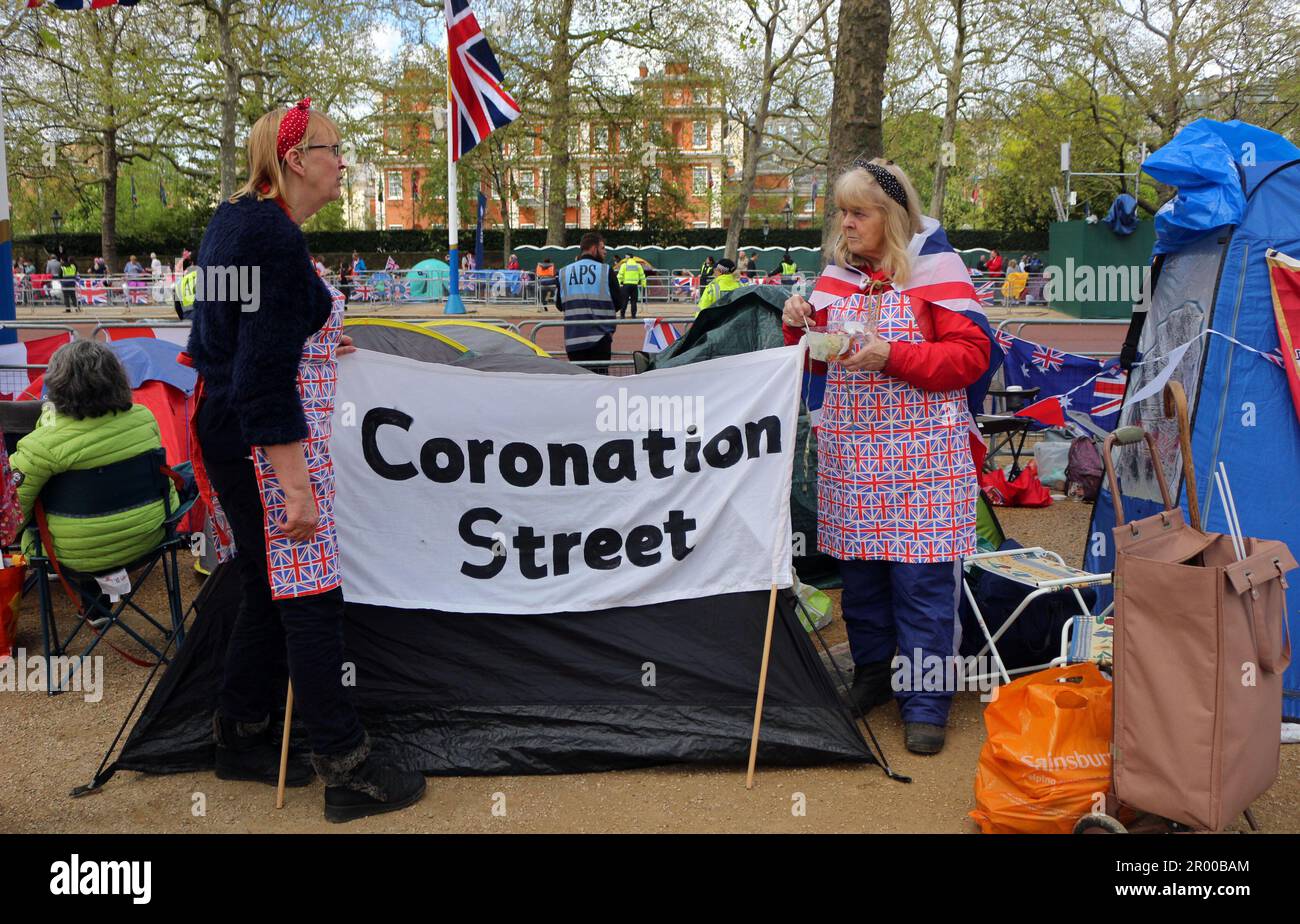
[[132, 482], [1042, 572]]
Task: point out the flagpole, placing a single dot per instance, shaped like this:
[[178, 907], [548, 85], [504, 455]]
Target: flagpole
[[454, 303], [8, 310]]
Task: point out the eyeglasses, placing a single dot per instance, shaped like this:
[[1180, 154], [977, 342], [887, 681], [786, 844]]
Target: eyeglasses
[[334, 149]]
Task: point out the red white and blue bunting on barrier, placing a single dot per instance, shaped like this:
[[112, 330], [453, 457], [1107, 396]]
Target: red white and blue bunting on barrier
[[73, 5]]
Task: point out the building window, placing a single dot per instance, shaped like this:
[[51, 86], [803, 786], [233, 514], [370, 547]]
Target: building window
[[700, 180], [526, 185], [396, 228], [656, 181], [601, 183], [415, 184], [570, 187], [699, 135], [600, 139], [394, 185]]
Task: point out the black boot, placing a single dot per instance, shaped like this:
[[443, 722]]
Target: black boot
[[249, 752], [871, 685], [357, 784], [923, 738]]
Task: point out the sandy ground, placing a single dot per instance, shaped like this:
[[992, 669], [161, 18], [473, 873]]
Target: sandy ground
[[52, 744]]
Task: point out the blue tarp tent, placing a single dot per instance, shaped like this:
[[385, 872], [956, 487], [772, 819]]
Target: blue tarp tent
[[1216, 279]]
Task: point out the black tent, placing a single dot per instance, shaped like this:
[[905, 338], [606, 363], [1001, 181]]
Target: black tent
[[455, 693], [451, 693]]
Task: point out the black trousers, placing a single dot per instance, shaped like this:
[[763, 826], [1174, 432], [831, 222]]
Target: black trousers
[[304, 634], [630, 293], [596, 352]]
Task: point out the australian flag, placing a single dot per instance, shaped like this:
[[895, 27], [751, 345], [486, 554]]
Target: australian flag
[[1086, 385], [479, 102]]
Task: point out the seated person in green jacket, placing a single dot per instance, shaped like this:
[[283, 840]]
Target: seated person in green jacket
[[89, 421]]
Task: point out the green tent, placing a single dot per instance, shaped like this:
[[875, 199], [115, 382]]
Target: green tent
[[748, 319]]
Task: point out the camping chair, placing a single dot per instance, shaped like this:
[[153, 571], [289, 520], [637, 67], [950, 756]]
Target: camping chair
[[94, 492], [1042, 573]]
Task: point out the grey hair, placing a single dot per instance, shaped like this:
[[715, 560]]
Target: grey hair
[[86, 379]]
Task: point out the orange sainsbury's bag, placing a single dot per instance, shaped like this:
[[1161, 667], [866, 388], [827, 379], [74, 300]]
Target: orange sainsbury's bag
[[1047, 757]]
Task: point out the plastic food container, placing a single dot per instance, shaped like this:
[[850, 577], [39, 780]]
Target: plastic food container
[[829, 342]]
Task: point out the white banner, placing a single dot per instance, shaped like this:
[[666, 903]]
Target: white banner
[[502, 492]]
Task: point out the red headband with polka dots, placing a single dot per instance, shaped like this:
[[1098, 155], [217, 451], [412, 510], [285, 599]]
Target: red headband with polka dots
[[293, 127]]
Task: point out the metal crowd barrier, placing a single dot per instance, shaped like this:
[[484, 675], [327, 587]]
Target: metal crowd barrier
[[617, 322], [1022, 323]]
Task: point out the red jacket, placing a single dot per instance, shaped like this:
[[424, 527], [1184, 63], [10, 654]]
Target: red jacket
[[955, 353]]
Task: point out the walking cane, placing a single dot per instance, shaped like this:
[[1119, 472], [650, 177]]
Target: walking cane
[[284, 747]]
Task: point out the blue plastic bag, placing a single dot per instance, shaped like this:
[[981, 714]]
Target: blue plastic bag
[[1202, 161]]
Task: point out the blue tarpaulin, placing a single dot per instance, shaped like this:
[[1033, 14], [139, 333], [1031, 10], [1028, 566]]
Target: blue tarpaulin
[[1203, 162], [1122, 217]]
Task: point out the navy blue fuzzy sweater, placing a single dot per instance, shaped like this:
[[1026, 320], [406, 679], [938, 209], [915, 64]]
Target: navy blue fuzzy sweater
[[249, 359]]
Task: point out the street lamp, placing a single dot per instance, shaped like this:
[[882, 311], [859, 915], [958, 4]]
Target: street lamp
[[788, 212], [56, 219], [767, 226]]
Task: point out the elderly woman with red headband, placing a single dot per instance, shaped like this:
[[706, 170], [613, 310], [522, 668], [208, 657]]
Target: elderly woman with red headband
[[896, 482], [267, 373]]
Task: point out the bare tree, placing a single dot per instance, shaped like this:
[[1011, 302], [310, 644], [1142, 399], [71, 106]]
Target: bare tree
[[862, 53]]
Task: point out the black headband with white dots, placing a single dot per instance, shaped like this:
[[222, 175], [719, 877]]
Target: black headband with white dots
[[886, 180]]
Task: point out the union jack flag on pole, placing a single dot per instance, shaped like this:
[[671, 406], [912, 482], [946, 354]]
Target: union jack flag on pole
[[479, 102]]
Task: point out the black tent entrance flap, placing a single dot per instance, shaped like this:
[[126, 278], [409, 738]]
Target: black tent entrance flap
[[456, 694]]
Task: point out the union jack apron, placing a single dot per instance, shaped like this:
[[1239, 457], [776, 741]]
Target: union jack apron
[[895, 476], [300, 569]]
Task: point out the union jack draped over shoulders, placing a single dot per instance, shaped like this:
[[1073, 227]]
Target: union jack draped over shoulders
[[479, 102], [938, 275]]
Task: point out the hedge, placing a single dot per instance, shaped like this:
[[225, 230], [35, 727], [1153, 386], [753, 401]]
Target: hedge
[[83, 246]]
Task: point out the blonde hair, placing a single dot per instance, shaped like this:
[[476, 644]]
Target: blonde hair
[[856, 188], [265, 168]]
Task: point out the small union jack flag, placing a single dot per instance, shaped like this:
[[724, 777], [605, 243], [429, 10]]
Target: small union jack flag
[[1048, 359], [363, 292], [137, 295], [92, 292], [479, 102], [1276, 358], [1005, 340], [1108, 394], [659, 335], [390, 264]]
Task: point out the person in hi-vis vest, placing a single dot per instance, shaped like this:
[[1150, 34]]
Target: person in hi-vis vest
[[789, 269], [631, 277], [589, 291]]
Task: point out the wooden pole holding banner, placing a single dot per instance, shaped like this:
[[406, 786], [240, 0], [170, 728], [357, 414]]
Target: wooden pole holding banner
[[284, 747], [783, 527], [762, 686]]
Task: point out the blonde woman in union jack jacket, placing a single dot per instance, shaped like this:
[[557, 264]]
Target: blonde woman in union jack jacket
[[896, 481]]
